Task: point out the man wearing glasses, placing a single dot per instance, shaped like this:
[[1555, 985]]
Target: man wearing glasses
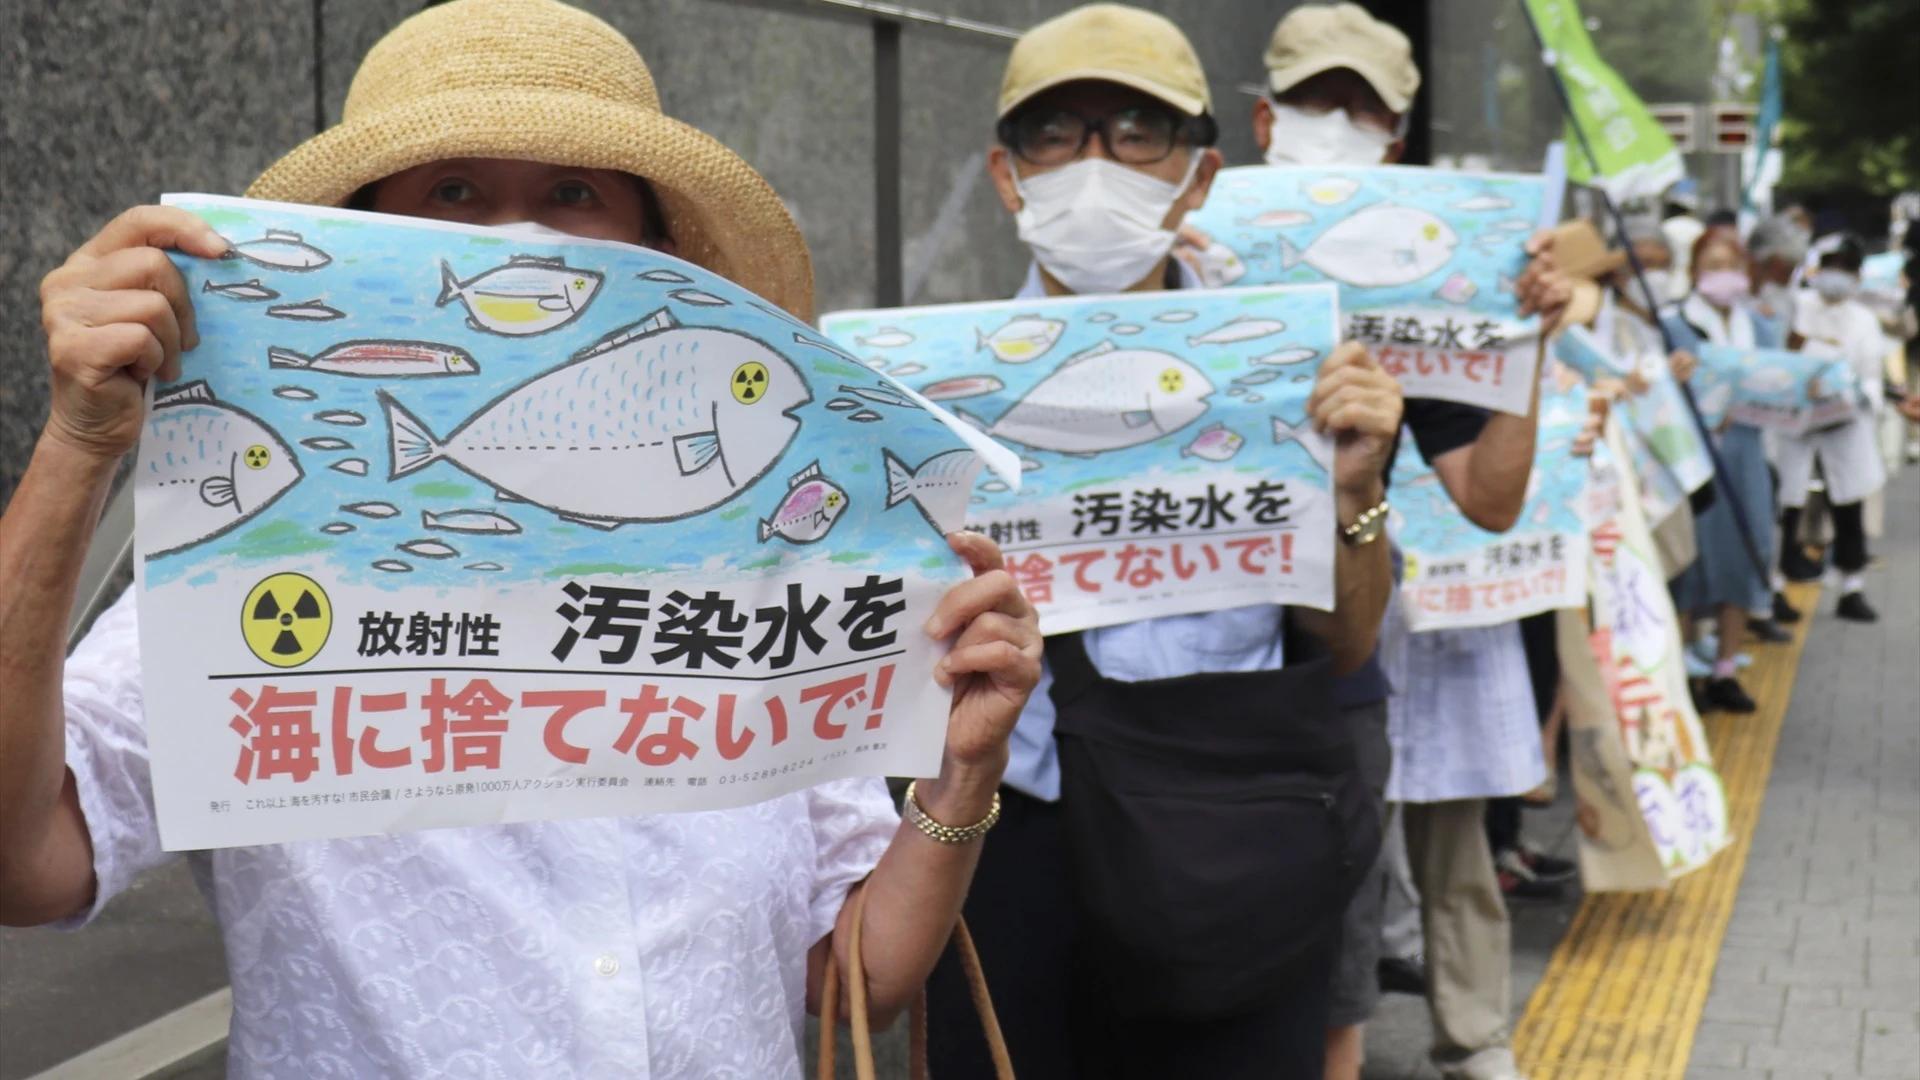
[[1103, 144]]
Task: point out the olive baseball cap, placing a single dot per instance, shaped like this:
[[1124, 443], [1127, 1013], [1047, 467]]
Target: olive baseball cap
[[1322, 37], [1112, 43]]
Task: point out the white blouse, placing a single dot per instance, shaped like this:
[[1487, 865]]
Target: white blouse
[[672, 945]]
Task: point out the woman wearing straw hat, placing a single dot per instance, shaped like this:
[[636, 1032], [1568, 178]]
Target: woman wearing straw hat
[[685, 945]]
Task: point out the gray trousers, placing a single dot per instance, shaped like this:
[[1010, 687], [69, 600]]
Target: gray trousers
[[1469, 941]]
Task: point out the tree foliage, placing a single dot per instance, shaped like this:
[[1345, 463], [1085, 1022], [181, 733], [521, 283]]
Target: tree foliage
[[1852, 95]]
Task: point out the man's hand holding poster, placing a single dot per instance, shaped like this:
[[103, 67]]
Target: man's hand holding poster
[[446, 526], [1168, 464], [1425, 261], [1457, 574]]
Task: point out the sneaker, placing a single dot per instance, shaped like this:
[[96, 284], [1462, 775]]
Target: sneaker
[[1727, 695], [1697, 667], [1854, 607], [1519, 882], [1796, 566], [1402, 975], [1548, 868], [1784, 613], [1769, 631]]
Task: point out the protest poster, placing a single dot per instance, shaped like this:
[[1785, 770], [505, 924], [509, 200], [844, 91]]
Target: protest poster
[[448, 526], [1168, 464], [1664, 447], [1790, 392], [1425, 260], [1457, 574], [1649, 804]]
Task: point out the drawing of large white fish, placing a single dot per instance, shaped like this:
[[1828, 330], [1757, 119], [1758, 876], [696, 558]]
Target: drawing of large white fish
[[528, 295], [233, 465], [938, 487], [1381, 245], [655, 422], [1107, 398]]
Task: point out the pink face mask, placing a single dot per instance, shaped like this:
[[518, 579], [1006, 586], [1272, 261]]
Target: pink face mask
[[1722, 288]]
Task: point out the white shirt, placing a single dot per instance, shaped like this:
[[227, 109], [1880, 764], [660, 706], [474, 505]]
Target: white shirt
[[672, 945], [1462, 719]]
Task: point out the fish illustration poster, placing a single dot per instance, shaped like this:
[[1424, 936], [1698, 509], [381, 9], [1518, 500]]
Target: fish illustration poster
[[1425, 260], [445, 525], [1665, 449], [1167, 463], [1789, 392], [1458, 574]]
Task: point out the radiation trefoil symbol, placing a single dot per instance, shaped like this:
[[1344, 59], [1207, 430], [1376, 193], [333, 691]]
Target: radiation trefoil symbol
[[286, 619]]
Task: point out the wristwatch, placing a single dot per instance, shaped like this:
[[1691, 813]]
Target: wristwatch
[[1367, 527]]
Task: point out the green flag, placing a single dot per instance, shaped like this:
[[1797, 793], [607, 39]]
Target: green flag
[[1635, 157]]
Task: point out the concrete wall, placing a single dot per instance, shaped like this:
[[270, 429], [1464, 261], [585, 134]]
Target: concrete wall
[[108, 103]]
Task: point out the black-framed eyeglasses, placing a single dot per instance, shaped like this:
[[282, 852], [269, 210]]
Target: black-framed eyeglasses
[[1143, 135]]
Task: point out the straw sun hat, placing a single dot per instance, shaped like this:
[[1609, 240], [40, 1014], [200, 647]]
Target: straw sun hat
[[536, 80]]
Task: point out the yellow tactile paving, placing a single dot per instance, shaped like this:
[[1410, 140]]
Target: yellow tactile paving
[[1623, 992]]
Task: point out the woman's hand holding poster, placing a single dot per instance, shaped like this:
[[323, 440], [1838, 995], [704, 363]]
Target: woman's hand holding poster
[[1790, 392], [447, 526], [1425, 260], [1167, 462]]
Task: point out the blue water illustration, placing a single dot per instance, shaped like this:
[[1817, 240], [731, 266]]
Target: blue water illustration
[[466, 407]]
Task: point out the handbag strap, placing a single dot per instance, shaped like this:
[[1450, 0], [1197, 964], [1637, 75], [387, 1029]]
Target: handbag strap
[[863, 1067]]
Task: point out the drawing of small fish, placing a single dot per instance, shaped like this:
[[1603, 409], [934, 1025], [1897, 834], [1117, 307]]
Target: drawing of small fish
[[352, 466], [306, 311], [1255, 378], [229, 459], [343, 417], [1457, 289], [1332, 190], [294, 393], [393, 566], [1483, 203], [1286, 356], [877, 363], [938, 487], [1513, 225], [842, 404], [907, 369], [1125, 328], [379, 359], [802, 339], [250, 291], [889, 337], [1236, 391], [698, 298], [961, 386], [428, 549], [469, 521], [1101, 317], [881, 395], [1505, 284], [336, 528], [669, 277], [864, 416], [1254, 398], [1174, 316], [1381, 245], [1028, 465], [1766, 381], [699, 412], [281, 250], [372, 509], [1318, 447], [1276, 219], [1241, 328], [529, 294], [1106, 398], [995, 486], [812, 504], [484, 566], [1216, 442], [326, 442], [1020, 339]]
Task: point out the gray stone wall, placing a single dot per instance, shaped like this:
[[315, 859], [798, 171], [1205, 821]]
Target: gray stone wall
[[108, 103]]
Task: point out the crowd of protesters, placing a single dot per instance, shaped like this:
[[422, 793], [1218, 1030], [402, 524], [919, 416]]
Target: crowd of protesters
[[1426, 744]]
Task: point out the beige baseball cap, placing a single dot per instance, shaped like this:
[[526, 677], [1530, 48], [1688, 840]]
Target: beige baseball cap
[[1321, 37], [1112, 43]]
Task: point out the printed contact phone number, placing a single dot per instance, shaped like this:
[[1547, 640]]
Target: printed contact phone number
[[763, 774]]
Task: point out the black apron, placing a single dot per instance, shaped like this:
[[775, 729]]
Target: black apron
[[1217, 826]]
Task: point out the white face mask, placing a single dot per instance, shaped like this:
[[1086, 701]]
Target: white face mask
[[1835, 285], [1649, 292], [1095, 225], [1332, 138]]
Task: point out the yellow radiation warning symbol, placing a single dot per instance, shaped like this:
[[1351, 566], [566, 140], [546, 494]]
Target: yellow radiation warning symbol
[[1171, 380], [1411, 571], [286, 619], [749, 382], [257, 456]]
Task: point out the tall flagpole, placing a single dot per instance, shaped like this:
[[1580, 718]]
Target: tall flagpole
[[1722, 486]]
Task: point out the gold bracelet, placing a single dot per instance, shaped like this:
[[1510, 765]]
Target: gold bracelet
[[947, 834]]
